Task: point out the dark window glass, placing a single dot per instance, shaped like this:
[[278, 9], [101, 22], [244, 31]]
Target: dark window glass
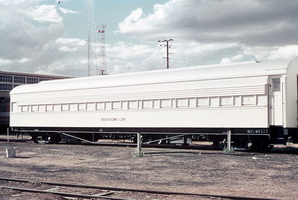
[[32, 80], [19, 79], [5, 78], [6, 87], [44, 79]]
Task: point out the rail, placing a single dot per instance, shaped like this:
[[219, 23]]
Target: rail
[[114, 189]]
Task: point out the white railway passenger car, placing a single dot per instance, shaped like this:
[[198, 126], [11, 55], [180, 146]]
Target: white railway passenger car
[[256, 101]]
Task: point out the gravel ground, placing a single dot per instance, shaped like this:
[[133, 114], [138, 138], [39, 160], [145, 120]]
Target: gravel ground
[[200, 170]]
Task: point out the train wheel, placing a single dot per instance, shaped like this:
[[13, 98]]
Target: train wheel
[[55, 139], [34, 138], [261, 146], [218, 145]]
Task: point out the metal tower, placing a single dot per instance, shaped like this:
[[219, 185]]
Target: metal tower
[[102, 51], [90, 32]]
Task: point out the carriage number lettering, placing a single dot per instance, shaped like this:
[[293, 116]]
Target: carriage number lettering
[[257, 131]]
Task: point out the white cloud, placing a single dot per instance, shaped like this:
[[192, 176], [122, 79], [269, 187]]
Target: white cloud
[[34, 37], [129, 22], [44, 13], [71, 41], [252, 22], [70, 45], [236, 58], [124, 57], [28, 46], [24, 60], [209, 32], [284, 52], [67, 11], [5, 61], [137, 21]]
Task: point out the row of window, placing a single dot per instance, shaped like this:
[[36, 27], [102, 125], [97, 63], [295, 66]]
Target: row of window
[[7, 87], [146, 104], [20, 79]]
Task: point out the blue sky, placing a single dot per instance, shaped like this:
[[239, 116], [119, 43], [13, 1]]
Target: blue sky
[[109, 12], [42, 36]]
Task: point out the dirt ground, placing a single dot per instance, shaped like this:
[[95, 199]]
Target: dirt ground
[[200, 170]]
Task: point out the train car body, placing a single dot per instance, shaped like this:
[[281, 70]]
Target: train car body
[[254, 100]]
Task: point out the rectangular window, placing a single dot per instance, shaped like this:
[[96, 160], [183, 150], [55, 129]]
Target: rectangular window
[[32, 80], [90, 106], [24, 108], [226, 101], [19, 79], [6, 78], [147, 104], [82, 106], [116, 105], [73, 107], [57, 107], [132, 104], [203, 102], [44, 79], [49, 107], [276, 84], [100, 106], [182, 103], [34, 108], [165, 103], [65, 107], [249, 100], [6, 87], [41, 108], [156, 104]]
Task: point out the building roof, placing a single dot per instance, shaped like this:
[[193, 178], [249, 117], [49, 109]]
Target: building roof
[[31, 74]]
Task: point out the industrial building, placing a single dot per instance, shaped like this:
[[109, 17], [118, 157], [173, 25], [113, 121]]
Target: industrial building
[[10, 80]]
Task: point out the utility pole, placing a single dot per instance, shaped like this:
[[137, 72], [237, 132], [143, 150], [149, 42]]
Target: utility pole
[[167, 46]]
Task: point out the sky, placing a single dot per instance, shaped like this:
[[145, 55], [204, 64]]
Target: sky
[[51, 37]]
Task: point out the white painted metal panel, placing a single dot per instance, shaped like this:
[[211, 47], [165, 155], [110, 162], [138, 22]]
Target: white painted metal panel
[[203, 97], [290, 95], [212, 118]]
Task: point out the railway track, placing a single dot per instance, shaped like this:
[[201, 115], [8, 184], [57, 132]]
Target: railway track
[[101, 192]]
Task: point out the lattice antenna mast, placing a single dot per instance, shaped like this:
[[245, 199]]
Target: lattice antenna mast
[[90, 31], [102, 51]]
